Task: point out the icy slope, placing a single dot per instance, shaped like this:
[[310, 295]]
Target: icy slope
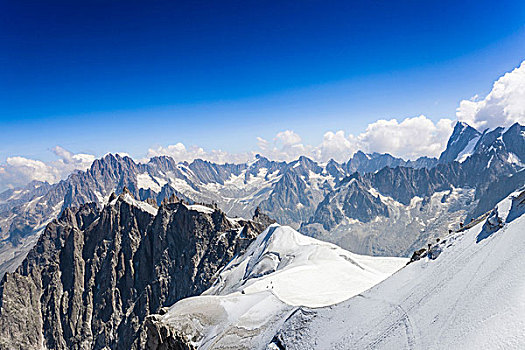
[[301, 270], [470, 295], [256, 292]]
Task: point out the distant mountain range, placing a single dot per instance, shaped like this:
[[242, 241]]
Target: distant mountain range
[[351, 204]]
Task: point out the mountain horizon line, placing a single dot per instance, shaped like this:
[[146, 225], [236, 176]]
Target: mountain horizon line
[[258, 156]]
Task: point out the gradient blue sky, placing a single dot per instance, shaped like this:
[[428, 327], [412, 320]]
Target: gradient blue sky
[[100, 76]]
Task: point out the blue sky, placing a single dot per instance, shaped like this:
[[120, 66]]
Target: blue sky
[[101, 76]]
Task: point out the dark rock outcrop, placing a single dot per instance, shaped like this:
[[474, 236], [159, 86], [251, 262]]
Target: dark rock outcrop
[[458, 141], [95, 274]]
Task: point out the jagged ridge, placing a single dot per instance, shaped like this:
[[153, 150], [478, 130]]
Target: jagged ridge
[[95, 274]]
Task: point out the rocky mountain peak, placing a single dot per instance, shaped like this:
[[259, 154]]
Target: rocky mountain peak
[[462, 136], [303, 166], [513, 139], [125, 191], [335, 169]]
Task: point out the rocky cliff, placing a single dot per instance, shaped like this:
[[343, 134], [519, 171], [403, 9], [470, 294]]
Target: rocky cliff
[[95, 274]]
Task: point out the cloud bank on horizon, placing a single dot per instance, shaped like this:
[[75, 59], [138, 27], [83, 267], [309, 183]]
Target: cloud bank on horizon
[[19, 171], [409, 138], [503, 106]]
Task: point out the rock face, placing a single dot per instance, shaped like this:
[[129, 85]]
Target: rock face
[[95, 274], [461, 137], [21, 224], [14, 197], [350, 200]]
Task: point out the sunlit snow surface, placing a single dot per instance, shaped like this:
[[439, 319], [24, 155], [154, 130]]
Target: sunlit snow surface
[[146, 181], [468, 150], [280, 270], [472, 296], [301, 270], [139, 204]]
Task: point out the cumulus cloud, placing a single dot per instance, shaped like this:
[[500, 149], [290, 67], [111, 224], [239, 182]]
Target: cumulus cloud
[[336, 146], [287, 138], [503, 106], [68, 161], [286, 145], [19, 171], [180, 153], [410, 138]]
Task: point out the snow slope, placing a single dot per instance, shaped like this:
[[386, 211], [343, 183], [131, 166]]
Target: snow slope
[[128, 198], [470, 295], [468, 150], [255, 292]]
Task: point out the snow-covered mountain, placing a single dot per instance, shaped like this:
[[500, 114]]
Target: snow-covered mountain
[[253, 295], [466, 141], [289, 192], [467, 293], [322, 200], [395, 210], [461, 143]]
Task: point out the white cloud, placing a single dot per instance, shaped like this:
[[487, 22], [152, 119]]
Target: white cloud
[[336, 146], [410, 138], [19, 171], [503, 106], [287, 138], [69, 161], [286, 145], [180, 153]]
